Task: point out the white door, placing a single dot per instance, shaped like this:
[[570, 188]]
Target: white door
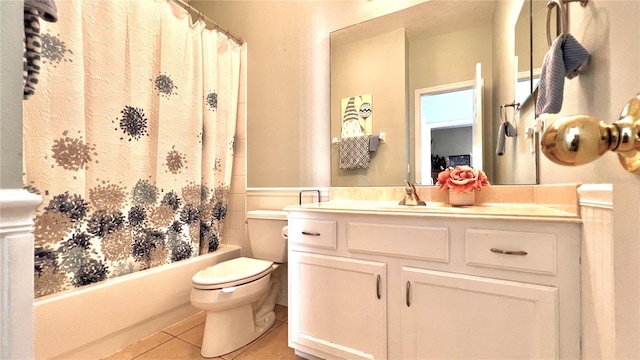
[[476, 128], [454, 316], [349, 304]]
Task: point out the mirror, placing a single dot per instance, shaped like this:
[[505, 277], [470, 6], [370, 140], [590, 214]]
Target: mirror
[[523, 60], [531, 47], [435, 43]]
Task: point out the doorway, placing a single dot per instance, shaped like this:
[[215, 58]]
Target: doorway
[[448, 128]]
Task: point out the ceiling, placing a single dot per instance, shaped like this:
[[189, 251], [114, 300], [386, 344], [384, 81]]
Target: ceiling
[[434, 17]]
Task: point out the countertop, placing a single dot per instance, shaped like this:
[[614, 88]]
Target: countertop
[[503, 211]]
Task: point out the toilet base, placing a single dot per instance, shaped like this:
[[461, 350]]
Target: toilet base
[[230, 330]]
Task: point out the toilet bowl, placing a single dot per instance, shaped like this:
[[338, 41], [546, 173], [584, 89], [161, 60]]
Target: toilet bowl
[[239, 295]]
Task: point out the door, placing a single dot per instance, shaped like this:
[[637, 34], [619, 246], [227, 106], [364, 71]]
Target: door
[[454, 316], [349, 306], [448, 122]]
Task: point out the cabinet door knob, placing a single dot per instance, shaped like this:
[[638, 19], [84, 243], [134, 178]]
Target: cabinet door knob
[[408, 292], [378, 287], [508, 252], [310, 233]]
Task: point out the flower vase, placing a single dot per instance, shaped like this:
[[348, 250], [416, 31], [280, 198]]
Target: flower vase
[[462, 198]]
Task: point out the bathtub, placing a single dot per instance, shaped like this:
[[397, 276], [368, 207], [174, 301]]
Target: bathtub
[[98, 320]]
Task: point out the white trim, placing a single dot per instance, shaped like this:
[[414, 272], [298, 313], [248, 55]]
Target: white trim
[[16, 271], [596, 195], [286, 191]]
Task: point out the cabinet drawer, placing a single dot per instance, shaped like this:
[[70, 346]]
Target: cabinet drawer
[[519, 251], [417, 242], [314, 233]]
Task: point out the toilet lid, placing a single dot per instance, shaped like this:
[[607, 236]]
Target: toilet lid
[[231, 273]]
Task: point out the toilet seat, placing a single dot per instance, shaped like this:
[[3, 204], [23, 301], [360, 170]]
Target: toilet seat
[[230, 273]]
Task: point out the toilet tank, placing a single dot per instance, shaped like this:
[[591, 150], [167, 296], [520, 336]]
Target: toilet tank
[[265, 234]]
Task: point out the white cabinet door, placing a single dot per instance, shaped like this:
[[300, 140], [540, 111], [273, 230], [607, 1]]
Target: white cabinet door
[[338, 306], [454, 316]]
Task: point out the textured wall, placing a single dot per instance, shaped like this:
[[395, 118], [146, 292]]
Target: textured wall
[[373, 66], [288, 136], [11, 95]]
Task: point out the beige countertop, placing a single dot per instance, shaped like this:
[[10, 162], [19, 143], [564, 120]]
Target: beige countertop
[[503, 211]]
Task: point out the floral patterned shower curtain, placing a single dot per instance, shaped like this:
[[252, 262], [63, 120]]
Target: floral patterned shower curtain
[[129, 139]]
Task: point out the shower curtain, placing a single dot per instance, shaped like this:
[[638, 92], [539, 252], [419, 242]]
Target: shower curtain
[[129, 139]]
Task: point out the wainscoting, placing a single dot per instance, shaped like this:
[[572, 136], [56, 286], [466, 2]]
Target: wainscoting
[[610, 271]]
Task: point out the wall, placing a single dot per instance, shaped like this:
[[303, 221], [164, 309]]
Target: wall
[[451, 64], [373, 66], [517, 162], [610, 267], [609, 79], [11, 95], [609, 30], [234, 224], [455, 141], [288, 136], [16, 206]]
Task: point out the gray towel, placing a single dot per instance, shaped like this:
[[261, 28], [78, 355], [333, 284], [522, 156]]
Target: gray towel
[[573, 55], [505, 130], [46, 8], [32, 50], [374, 142], [551, 86], [33, 9], [354, 153]]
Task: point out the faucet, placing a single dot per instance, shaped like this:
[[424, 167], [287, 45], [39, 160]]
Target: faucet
[[411, 197]]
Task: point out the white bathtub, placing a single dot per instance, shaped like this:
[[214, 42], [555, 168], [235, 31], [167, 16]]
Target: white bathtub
[[98, 320]]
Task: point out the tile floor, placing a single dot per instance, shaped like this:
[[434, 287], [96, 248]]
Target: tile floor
[[184, 339]]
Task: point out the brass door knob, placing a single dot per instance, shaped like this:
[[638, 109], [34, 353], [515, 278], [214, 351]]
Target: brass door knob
[[580, 139]]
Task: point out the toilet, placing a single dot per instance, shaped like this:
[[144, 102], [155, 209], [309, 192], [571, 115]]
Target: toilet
[[239, 295]]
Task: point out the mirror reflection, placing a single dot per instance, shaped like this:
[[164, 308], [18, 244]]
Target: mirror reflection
[[530, 49], [407, 59]]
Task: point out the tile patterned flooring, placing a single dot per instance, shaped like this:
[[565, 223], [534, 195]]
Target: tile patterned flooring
[[184, 339]]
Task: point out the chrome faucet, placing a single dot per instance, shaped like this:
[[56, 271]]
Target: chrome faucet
[[411, 197]]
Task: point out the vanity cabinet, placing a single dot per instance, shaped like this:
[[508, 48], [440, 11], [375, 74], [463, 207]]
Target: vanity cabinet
[[454, 316], [339, 305], [423, 286]]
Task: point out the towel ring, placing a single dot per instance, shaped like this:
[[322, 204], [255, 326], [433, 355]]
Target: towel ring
[[563, 18]]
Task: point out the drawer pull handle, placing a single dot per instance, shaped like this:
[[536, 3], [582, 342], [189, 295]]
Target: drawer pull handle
[[508, 252], [310, 233], [408, 292], [378, 287]]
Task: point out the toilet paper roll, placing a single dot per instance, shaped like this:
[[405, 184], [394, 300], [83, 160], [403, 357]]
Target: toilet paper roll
[[285, 232]]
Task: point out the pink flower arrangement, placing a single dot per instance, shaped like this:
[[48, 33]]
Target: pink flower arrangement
[[462, 179]]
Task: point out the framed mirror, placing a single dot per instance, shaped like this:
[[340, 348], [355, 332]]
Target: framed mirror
[[435, 44]]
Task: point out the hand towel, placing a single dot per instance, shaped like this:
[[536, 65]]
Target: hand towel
[[33, 9], [354, 153], [573, 55], [505, 129], [551, 85], [32, 50], [374, 142], [509, 129]]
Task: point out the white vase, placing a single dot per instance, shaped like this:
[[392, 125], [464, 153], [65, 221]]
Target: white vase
[[462, 199]]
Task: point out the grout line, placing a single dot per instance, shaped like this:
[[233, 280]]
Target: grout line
[[162, 343]]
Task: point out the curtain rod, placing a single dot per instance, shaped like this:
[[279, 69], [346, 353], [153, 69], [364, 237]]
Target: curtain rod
[[204, 17]]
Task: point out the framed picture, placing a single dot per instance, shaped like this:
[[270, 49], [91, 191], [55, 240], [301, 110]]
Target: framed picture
[[357, 119]]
